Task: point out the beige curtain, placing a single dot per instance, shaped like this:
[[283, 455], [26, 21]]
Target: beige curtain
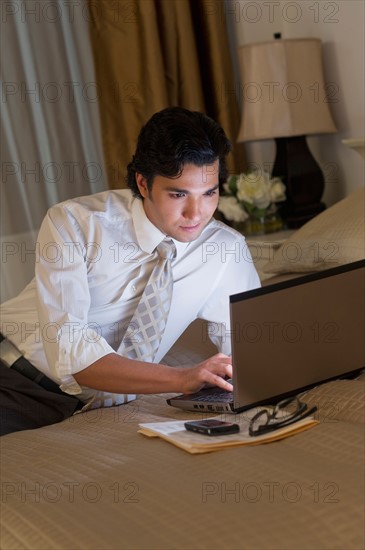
[[50, 143], [151, 54]]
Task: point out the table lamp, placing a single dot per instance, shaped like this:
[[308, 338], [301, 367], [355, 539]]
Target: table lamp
[[285, 98]]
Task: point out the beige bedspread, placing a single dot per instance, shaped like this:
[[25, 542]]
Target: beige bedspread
[[94, 482]]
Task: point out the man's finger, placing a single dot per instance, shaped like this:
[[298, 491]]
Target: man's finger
[[217, 380]]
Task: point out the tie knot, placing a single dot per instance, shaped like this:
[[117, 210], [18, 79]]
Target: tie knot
[[166, 249]]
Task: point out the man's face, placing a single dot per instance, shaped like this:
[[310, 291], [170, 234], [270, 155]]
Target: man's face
[[181, 207]]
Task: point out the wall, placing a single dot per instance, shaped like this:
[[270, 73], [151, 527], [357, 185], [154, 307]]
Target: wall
[[339, 25]]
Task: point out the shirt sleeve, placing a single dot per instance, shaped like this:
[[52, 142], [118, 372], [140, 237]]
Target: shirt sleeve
[[63, 300], [236, 274]]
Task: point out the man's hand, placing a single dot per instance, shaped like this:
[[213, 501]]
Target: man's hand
[[212, 371], [116, 374]]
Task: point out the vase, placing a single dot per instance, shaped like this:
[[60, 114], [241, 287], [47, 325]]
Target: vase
[[261, 223], [273, 220]]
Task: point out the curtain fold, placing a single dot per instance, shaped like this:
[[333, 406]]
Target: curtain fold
[[157, 54], [50, 133]]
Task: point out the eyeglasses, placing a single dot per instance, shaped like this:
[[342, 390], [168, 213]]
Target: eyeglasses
[[284, 413]]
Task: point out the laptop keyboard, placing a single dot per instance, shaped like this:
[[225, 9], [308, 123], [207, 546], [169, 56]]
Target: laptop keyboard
[[223, 396]]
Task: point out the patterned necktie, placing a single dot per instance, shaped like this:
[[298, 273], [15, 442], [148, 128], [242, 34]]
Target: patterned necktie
[[147, 326]]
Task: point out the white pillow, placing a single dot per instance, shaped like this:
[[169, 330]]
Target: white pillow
[[334, 237]]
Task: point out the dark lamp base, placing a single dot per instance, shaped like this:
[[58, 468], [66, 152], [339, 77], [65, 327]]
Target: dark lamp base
[[297, 216], [303, 179]]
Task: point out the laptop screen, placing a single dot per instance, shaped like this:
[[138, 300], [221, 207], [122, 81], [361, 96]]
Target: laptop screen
[[289, 336]]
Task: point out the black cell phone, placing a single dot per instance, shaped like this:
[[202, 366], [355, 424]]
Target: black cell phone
[[212, 427]]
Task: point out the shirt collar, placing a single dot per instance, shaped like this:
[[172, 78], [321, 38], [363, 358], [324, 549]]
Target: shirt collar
[[148, 235]]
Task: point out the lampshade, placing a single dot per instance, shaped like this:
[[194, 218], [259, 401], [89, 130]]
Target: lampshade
[[283, 90]]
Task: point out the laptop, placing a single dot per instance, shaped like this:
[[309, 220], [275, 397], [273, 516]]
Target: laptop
[[288, 337]]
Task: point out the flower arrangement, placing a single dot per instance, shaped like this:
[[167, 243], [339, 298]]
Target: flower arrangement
[[251, 196]]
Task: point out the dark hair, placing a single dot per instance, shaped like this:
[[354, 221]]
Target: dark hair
[[172, 138]]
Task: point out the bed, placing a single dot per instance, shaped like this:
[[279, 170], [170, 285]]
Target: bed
[[94, 482]]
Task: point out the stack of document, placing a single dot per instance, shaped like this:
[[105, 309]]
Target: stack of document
[[174, 432]]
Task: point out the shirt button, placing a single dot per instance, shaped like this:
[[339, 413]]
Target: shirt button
[[134, 288]]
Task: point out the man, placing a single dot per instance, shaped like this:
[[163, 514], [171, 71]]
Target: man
[[96, 255]]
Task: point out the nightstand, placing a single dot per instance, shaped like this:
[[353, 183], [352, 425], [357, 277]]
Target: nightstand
[[262, 248]]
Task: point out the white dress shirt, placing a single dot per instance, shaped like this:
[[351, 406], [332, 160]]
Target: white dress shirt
[[94, 257]]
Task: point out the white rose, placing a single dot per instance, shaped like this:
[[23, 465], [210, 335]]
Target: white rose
[[277, 190], [231, 209], [253, 188]]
